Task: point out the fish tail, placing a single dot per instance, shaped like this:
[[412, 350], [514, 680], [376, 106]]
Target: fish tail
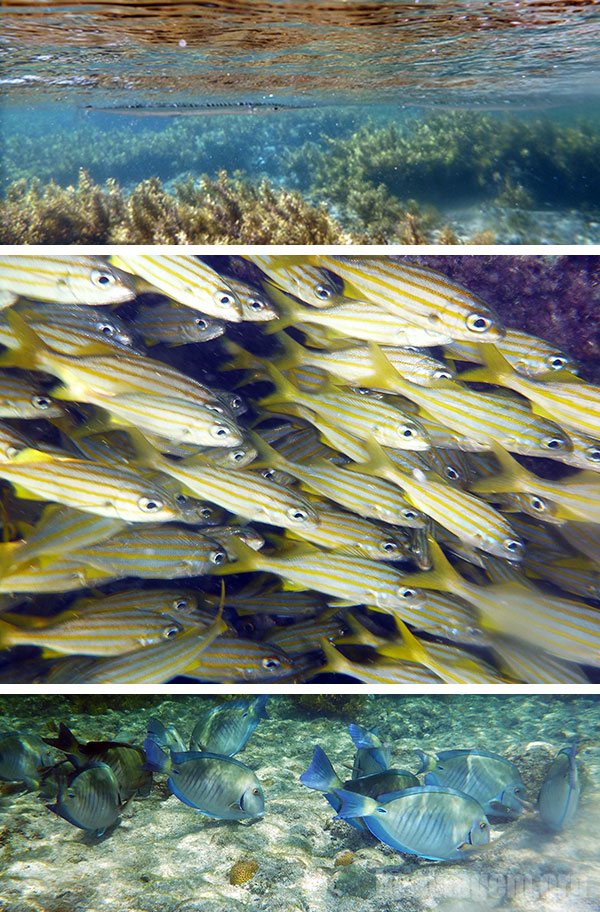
[[495, 369], [513, 476], [260, 707], [158, 756], [267, 455], [289, 310], [29, 352], [442, 577], [384, 373], [65, 742], [9, 635], [354, 805], [246, 559], [335, 661], [320, 775], [240, 358], [285, 391], [362, 737]]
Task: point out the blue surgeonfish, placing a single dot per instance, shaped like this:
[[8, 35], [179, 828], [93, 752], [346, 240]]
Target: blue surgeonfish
[[492, 780], [441, 824], [559, 795], [226, 729], [89, 799]]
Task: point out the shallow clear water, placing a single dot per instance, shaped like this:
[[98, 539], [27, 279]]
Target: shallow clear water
[[341, 67], [166, 857]]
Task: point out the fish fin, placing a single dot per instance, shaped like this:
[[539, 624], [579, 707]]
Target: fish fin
[[9, 635], [260, 707], [158, 759], [320, 774], [241, 358], [496, 367], [354, 805], [268, 456], [441, 577], [29, 454], [65, 742], [246, 559], [27, 353], [293, 352], [513, 477], [290, 310], [285, 391], [145, 454]]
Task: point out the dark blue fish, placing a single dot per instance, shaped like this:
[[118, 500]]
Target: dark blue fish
[[372, 755], [159, 743], [89, 799], [23, 758], [559, 795]]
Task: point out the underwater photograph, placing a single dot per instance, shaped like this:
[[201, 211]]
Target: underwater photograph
[[299, 122], [281, 468], [310, 803]]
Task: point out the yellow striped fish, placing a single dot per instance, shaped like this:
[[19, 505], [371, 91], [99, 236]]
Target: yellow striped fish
[[65, 279], [568, 401], [174, 324], [527, 663], [528, 355], [92, 487], [21, 397], [228, 660], [352, 579], [255, 304], [185, 279], [417, 294], [376, 669], [61, 530], [312, 284]]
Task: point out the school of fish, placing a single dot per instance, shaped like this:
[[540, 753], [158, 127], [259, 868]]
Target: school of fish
[[360, 436], [442, 818]]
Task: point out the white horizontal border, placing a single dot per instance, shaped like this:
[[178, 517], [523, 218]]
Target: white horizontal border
[[305, 249], [289, 690]]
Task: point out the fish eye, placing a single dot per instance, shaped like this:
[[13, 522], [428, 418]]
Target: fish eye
[[323, 292], [271, 663], [238, 455], [389, 547], [380, 810], [170, 632], [255, 791], [409, 514], [553, 443], [256, 304], [217, 557], [556, 362], [220, 430], [268, 473], [478, 323], [150, 504], [225, 299], [452, 473], [483, 825], [406, 593], [442, 375], [537, 504], [102, 279], [180, 604], [513, 545], [206, 512], [106, 329], [235, 402], [214, 407], [406, 430], [297, 513], [181, 499], [201, 323], [41, 402], [593, 454]]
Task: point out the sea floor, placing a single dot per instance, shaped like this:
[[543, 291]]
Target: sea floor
[[166, 857]]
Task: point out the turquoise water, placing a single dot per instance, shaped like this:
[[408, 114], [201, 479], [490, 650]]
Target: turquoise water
[[514, 87], [163, 856]]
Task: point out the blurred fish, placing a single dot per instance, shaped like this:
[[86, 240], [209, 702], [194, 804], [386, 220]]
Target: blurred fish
[[310, 283], [217, 786], [23, 758], [227, 660], [372, 755], [558, 799], [70, 330], [226, 729], [432, 822], [21, 397], [489, 778], [90, 799], [527, 354], [66, 279], [255, 304], [185, 279]]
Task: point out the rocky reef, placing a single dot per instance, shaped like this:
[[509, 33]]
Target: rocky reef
[[166, 857]]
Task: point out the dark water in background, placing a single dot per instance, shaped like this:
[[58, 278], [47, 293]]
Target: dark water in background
[[343, 64]]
